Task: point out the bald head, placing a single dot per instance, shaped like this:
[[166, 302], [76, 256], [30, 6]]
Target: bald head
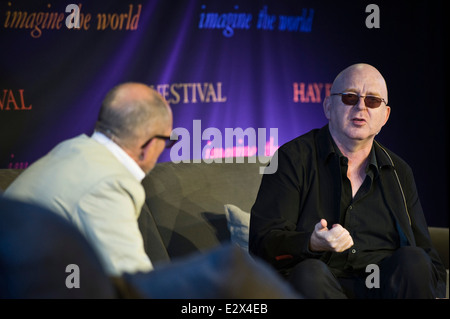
[[353, 126], [351, 78], [132, 112]]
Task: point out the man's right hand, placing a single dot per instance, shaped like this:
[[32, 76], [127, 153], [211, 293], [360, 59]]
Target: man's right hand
[[336, 239]]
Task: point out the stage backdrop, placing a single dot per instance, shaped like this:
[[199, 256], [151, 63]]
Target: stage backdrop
[[263, 67]]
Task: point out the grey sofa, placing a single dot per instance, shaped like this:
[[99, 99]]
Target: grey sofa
[[184, 210]]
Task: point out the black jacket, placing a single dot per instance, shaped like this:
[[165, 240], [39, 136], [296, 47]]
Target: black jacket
[[306, 188]]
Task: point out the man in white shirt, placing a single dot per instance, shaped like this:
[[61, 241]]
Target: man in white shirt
[[95, 182]]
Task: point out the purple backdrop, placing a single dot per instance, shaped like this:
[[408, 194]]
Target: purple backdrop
[[230, 64]]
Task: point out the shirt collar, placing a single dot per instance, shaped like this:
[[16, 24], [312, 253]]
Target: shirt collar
[[328, 148], [325, 144], [120, 154]]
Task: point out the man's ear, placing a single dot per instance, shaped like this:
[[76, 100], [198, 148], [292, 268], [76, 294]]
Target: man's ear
[[327, 107], [388, 112], [144, 152]]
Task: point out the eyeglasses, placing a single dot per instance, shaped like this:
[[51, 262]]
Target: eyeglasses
[[169, 140], [352, 99]]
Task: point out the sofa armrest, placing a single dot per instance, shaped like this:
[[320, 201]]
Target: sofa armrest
[[439, 237]]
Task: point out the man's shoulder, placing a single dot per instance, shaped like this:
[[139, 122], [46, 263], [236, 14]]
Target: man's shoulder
[[85, 151], [389, 157], [76, 160], [77, 144]]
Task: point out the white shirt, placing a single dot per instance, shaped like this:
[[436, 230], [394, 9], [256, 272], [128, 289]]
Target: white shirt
[[120, 154]]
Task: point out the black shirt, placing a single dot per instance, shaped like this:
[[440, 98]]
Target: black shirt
[[366, 217], [307, 185]]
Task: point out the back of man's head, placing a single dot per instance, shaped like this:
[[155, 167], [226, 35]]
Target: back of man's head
[[131, 112]]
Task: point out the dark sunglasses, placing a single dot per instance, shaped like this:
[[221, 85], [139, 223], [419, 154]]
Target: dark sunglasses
[[169, 140], [352, 99]]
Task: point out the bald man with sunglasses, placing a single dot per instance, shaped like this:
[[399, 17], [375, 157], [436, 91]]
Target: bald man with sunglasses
[[341, 203], [95, 181]]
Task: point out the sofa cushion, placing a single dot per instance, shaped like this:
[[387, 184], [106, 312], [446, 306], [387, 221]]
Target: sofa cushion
[[153, 244], [186, 201], [238, 225]]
